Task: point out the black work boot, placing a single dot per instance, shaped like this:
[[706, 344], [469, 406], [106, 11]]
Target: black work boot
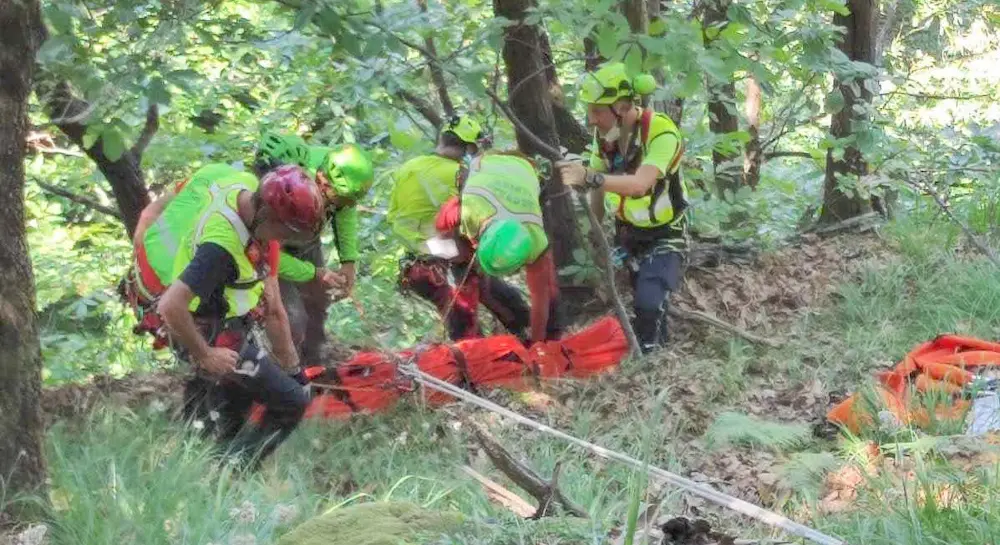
[[647, 329]]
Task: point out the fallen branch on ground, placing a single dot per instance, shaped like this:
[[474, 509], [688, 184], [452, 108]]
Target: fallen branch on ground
[[713, 255], [496, 492], [547, 493], [699, 489], [943, 205], [862, 223], [704, 318]]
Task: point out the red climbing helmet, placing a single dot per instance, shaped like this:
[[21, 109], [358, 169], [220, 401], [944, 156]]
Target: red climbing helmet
[[294, 198]]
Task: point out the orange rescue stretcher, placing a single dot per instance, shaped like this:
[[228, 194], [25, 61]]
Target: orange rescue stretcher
[[371, 382], [948, 365]]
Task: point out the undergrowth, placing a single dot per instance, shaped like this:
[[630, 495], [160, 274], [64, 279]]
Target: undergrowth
[[123, 477]]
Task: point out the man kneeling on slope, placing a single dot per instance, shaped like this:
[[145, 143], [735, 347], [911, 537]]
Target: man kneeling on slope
[[201, 265], [498, 216]]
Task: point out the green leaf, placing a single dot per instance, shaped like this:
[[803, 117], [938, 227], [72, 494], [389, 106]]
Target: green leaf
[[714, 67], [633, 60], [61, 21], [185, 79], [580, 255], [494, 40], [834, 102], [474, 81], [657, 27], [305, 14], [691, 84], [570, 270], [374, 46], [650, 44], [55, 50], [402, 135], [90, 136], [349, 42], [113, 144], [734, 33], [865, 141], [157, 92], [607, 41], [837, 6]]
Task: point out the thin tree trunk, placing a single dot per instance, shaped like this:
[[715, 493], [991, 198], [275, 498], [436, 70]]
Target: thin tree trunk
[[529, 98], [637, 14], [22, 466], [572, 134], [752, 157], [636, 11], [592, 58], [722, 119], [674, 109], [858, 44], [437, 73]]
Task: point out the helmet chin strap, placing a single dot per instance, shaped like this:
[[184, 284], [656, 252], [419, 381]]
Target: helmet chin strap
[[615, 113], [623, 134], [258, 218]]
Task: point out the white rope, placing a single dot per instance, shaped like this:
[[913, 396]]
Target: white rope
[[724, 500]]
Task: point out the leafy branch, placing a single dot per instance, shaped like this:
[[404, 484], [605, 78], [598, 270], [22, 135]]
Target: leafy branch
[[425, 108], [79, 199], [148, 130]]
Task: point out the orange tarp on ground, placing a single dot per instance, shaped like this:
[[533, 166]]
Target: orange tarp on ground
[[946, 365]]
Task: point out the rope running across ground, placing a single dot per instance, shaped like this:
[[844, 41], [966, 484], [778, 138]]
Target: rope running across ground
[[706, 492]]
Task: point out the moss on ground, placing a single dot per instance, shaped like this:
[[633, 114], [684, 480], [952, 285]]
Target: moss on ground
[[382, 523]]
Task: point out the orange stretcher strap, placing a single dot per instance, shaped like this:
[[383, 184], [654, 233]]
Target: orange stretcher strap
[[950, 373], [968, 343], [969, 358]]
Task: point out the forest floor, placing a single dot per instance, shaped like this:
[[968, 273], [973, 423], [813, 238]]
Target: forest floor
[[747, 419]]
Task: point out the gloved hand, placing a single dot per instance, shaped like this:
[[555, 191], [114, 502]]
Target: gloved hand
[[573, 173], [300, 376], [579, 177]]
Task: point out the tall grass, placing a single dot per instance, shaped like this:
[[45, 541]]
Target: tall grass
[[940, 504], [122, 477], [141, 478]]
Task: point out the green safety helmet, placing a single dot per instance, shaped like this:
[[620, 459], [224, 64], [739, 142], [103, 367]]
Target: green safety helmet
[[610, 83], [349, 170], [276, 149], [466, 128], [504, 247]]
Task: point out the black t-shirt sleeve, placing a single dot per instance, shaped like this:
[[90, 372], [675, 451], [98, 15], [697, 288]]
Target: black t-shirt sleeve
[[210, 270]]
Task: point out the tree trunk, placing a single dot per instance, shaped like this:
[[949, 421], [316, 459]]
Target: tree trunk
[[722, 119], [858, 44], [125, 176], [592, 58], [752, 157], [22, 467], [572, 134], [529, 98], [636, 11]]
